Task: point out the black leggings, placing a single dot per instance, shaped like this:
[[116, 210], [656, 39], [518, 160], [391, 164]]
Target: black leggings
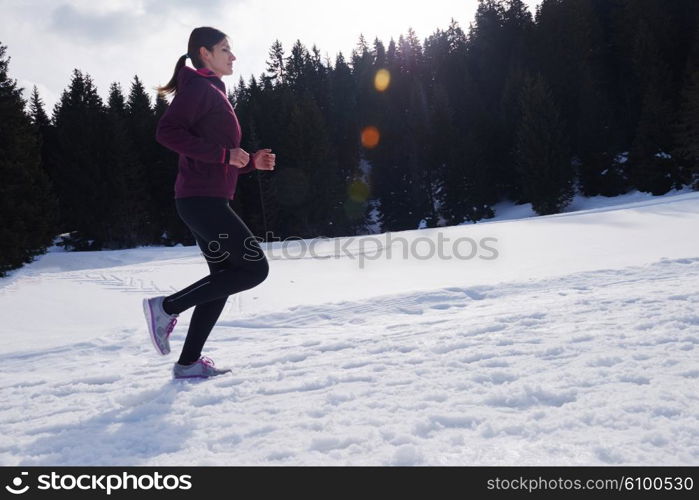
[[235, 260]]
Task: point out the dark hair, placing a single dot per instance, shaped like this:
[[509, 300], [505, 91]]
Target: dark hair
[[203, 36]]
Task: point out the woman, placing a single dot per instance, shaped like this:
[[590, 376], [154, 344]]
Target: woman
[[202, 127]]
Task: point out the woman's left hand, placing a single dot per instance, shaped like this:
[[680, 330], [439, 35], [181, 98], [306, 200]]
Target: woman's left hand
[[264, 159]]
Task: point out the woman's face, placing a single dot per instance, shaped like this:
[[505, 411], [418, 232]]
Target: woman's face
[[220, 61]]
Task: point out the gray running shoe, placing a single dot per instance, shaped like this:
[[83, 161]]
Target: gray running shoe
[[160, 324], [202, 368]]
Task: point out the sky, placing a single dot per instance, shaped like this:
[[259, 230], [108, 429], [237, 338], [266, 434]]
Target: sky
[[115, 40]]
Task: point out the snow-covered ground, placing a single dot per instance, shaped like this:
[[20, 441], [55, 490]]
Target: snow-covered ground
[[564, 340]]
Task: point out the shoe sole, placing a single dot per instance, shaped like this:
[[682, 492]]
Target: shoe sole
[[199, 376], [151, 327]]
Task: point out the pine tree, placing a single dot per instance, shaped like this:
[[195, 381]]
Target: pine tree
[[275, 64], [27, 203], [686, 129], [441, 142], [38, 116], [79, 161], [162, 172], [466, 182], [125, 217], [46, 136], [597, 129], [295, 67], [140, 121], [390, 175], [255, 197], [542, 150], [155, 185], [364, 109], [349, 216], [517, 33], [652, 167], [404, 186], [305, 183]]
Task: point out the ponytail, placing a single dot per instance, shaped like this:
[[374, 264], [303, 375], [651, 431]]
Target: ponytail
[[200, 37], [171, 87]]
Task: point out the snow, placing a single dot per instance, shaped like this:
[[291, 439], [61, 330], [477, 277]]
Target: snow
[[622, 158], [372, 224], [508, 210], [564, 340]]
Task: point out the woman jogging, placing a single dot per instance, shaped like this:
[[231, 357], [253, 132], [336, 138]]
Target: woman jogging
[[200, 124]]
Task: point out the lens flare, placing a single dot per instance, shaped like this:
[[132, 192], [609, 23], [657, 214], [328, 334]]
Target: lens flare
[[382, 79], [358, 191], [370, 137]]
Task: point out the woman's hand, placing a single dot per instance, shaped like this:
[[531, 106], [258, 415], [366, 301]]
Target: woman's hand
[[264, 159], [239, 157]]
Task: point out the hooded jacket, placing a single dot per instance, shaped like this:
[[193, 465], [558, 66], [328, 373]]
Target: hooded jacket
[[200, 124]]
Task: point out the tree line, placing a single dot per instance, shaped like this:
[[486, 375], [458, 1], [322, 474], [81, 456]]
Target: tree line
[[598, 97]]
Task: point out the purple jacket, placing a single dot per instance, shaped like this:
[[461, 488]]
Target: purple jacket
[[200, 124]]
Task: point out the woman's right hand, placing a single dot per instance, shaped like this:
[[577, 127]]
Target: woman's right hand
[[239, 157]]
